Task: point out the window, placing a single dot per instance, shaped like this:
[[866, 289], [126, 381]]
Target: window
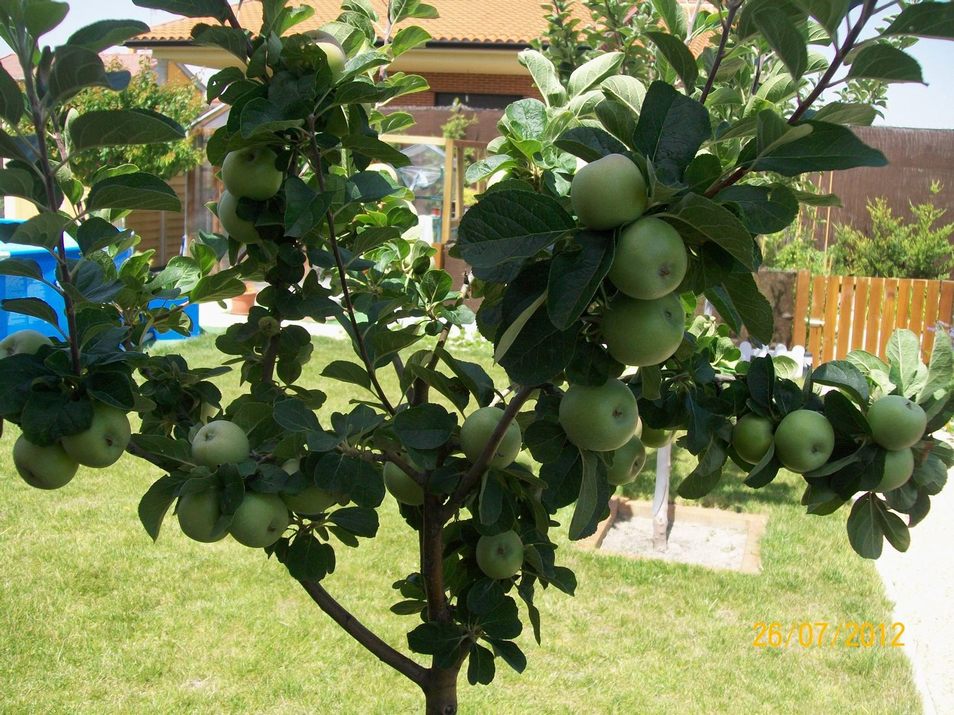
[[475, 101]]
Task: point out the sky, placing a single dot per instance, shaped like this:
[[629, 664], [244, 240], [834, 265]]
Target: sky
[[909, 105]]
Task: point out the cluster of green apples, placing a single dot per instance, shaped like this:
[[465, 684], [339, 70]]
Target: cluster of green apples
[[260, 519], [253, 172], [804, 439], [51, 466], [650, 261]]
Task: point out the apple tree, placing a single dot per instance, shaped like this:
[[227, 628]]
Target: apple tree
[[589, 281]]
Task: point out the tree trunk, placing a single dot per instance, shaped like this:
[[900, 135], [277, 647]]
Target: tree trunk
[[440, 692]]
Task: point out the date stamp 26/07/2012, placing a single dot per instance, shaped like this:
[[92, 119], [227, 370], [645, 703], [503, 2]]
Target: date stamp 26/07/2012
[[823, 634]]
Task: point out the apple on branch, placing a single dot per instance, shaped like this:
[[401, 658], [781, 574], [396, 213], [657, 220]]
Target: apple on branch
[[599, 418]]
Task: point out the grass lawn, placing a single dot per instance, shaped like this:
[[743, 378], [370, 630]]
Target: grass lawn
[[94, 618]]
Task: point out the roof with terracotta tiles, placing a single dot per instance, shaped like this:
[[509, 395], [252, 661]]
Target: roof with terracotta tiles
[[492, 22], [124, 60]]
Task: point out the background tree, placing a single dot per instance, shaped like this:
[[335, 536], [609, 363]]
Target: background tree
[[589, 329], [180, 102]]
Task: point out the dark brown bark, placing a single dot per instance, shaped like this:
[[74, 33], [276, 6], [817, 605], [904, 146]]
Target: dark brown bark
[[440, 692]]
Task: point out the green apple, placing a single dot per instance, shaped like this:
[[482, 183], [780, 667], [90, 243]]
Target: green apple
[[198, 514], [804, 440], [626, 463], [898, 468], [312, 500], [333, 51], [402, 486], [235, 226], [654, 438], [43, 467], [220, 442], [643, 332], [608, 192], [650, 260], [896, 422], [476, 431], [104, 441], [599, 418], [260, 520], [23, 342], [500, 556], [252, 173], [751, 437]]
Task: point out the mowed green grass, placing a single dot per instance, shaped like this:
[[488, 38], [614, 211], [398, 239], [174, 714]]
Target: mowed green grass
[[95, 618]]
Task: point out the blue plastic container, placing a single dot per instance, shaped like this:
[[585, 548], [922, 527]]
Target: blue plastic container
[[21, 287]]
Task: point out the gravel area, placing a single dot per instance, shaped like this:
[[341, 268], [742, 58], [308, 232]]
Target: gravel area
[[921, 583], [719, 547]]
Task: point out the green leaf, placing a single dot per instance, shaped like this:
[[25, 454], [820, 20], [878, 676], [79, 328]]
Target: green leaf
[[441, 640], [42, 230], [589, 143], [216, 287], [137, 191], [926, 19], [904, 358], [155, 504], [828, 13], [591, 505], [882, 62], [764, 209], [940, 377], [699, 219], [545, 76], [845, 416], [674, 15], [407, 38], [375, 149], [828, 147], [847, 113], [347, 372], [783, 37], [102, 35], [511, 654], [231, 39], [591, 73], [293, 415], [189, 8], [472, 375], [34, 307], [704, 478], [845, 376], [309, 559], [41, 16], [870, 523], [74, 69], [11, 99], [740, 302], [20, 267], [679, 56], [120, 127], [626, 90], [357, 520], [424, 427], [670, 131], [575, 276], [539, 352], [480, 665], [506, 228]]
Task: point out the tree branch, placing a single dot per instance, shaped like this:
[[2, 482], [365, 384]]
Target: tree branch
[[473, 475], [382, 651], [804, 105], [343, 275], [720, 53], [432, 559]]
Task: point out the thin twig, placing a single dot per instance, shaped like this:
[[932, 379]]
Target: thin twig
[[804, 105], [357, 630], [343, 275], [476, 471], [720, 53]]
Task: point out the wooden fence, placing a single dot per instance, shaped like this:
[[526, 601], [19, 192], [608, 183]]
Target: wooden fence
[[837, 314]]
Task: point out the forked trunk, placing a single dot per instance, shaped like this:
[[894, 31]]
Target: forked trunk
[[440, 692]]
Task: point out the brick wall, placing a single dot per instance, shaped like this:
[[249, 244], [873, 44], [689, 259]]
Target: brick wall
[[474, 83]]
